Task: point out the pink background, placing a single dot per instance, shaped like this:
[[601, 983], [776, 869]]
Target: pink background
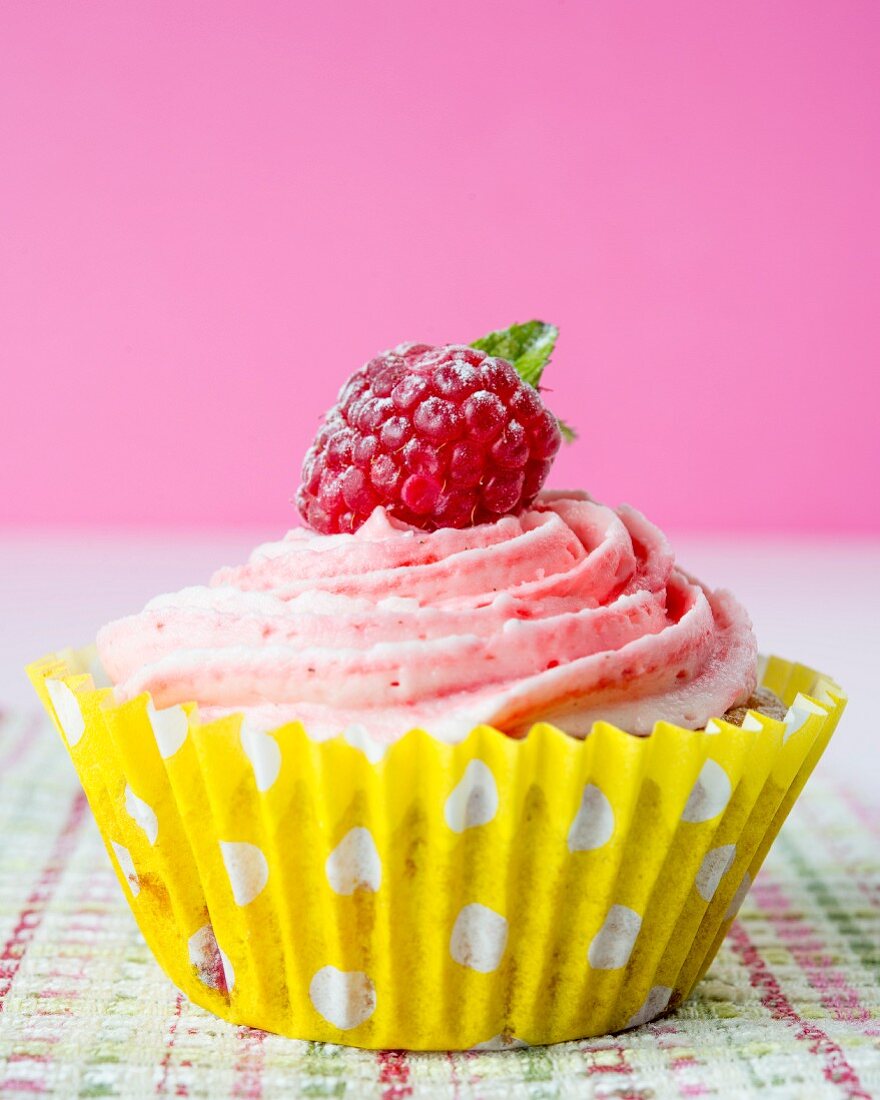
[[211, 213]]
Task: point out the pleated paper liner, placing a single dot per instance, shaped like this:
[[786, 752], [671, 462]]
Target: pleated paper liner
[[433, 896]]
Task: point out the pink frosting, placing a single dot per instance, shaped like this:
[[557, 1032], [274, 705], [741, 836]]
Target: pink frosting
[[571, 612]]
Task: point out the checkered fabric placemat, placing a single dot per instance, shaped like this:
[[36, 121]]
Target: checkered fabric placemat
[[790, 1008]]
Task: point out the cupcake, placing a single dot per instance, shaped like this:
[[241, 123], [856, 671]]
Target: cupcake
[[460, 763]]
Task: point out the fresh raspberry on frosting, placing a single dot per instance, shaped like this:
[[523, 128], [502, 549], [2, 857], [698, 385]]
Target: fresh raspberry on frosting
[[443, 436]]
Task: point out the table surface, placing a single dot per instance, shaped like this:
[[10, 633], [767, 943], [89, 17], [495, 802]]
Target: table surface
[[790, 1009], [815, 601]]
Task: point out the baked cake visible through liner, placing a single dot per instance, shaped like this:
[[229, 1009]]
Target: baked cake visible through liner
[[763, 701]]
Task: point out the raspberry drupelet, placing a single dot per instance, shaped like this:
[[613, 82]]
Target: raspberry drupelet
[[440, 436]]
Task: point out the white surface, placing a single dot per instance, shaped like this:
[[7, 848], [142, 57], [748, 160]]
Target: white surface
[[814, 601]]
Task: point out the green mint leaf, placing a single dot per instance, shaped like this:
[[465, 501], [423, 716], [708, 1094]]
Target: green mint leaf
[[527, 346]]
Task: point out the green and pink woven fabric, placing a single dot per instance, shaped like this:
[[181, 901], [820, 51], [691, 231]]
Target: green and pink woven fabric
[[790, 1009]]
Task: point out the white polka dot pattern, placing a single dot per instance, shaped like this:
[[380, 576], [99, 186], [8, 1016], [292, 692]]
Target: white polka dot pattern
[[709, 796], [479, 938], [345, 999], [593, 825], [213, 967], [126, 863], [142, 814], [501, 1042], [376, 893], [739, 897], [795, 718], [798, 714], [264, 754], [67, 710], [228, 972], [354, 863], [474, 801], [247, 868], [358, 737], [170, 727], [613, 944], [716, 863], [655, 1003]]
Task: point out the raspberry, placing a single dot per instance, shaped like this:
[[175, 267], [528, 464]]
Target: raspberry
[[440, 436]]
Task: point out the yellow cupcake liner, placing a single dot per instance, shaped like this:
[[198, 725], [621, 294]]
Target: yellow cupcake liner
[[428, 896]]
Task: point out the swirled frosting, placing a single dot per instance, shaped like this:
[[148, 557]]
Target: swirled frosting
[[570, 612]]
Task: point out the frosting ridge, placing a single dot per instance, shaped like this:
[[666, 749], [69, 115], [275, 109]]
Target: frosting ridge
[[569, 612]]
